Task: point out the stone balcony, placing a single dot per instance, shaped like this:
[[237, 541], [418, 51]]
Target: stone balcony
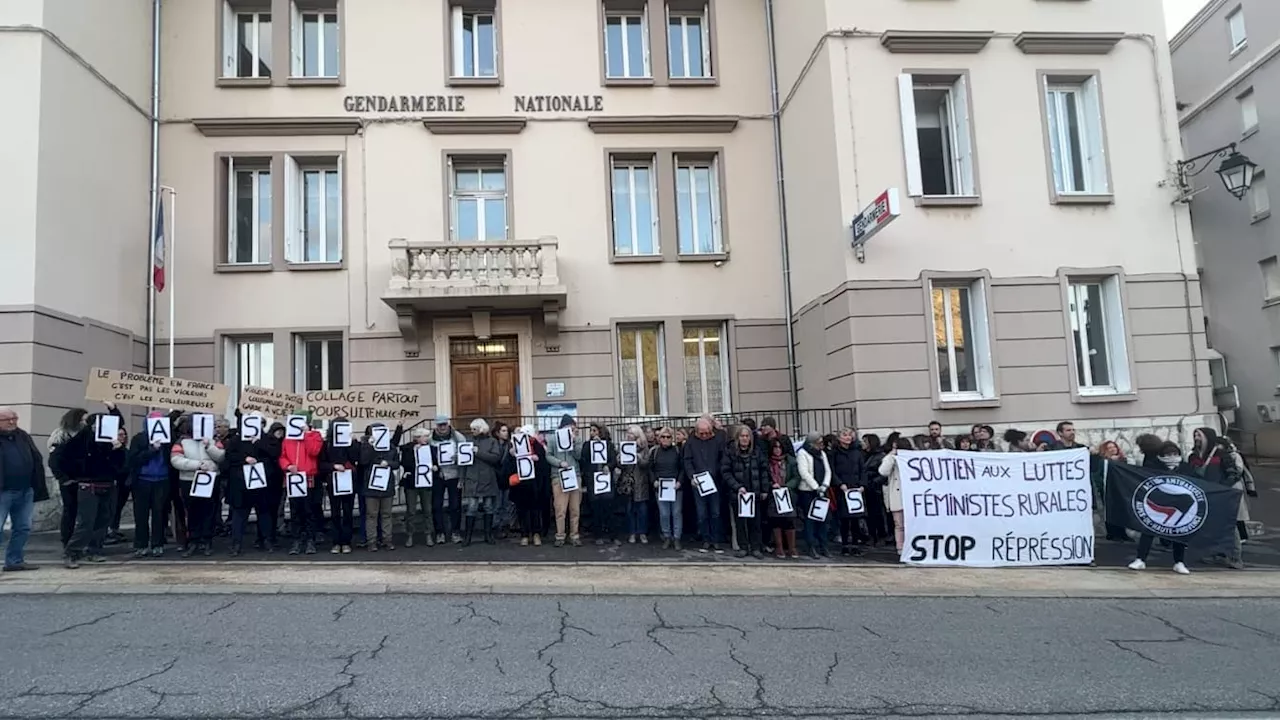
[[476, 278]]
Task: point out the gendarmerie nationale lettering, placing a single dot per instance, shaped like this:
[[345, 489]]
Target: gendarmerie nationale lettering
[[405, 103], [559, 103]]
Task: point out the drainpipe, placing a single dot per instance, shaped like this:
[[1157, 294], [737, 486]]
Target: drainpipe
[[155, 186], [776, 115]]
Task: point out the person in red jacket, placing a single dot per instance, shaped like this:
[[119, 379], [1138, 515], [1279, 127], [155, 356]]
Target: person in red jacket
[[302, 456]]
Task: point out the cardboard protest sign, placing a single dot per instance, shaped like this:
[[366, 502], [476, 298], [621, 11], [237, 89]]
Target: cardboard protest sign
[[252, 427], [666, 490], [380, 436], [746, 505], [342, 483], [106, 428], [466, 454], [255, 477], [568, 479], [819, 509], [379, 478], [705, 484], [599, 452], [979, 509], [603, 483], [269, 402], [388, 405], [628, 453], [295, 427], [202, 485], [854, 504], [342, 434], [158, 430], [296, 482], [139, 389], [202, 426]]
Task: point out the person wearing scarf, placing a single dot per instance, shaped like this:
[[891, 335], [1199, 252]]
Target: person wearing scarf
[[783, 473], [1168, 459], [815, 478]]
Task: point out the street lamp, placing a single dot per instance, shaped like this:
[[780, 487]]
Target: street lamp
[[1236, 171]]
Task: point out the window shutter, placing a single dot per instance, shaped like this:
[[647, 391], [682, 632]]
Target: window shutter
[[506, 199], [231, 211], [458, 57], [342, 198], [653, 206], [292, 210], [229, 43], [910, 141], [453, 205], [644, 37], [715, 206], [964, 136], [1095, 133], [1055, 159], [295, 32], [705, 27]]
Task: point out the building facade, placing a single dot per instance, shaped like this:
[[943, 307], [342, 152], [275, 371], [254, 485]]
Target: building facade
[[514, 206], [1228, 91]]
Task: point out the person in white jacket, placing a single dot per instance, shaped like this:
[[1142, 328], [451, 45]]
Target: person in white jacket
[[893, 492], [190, 456], [815, 478]]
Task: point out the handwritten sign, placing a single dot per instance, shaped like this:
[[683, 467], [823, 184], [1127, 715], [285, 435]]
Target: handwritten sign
[[269, 402], [139, 389], [388, 405]]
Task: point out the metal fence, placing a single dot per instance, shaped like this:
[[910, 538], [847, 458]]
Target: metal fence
[[791, 422]]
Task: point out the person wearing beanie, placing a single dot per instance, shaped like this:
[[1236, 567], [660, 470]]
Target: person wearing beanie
[[567, 505], [377, 520], [448, 526], [148, 465], [303, 456], [239, 453]]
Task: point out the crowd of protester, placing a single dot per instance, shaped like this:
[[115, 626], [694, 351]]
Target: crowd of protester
[[97, 480]]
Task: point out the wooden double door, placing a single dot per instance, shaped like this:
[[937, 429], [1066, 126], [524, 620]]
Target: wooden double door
[[486, 389]]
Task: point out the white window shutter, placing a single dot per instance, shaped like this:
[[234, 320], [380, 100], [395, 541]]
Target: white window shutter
[[716, 235], [707, 70], [453, 205], [644, 37], [506, 198], [458, 55], [231, 211], [910, 141], [295, 33], [1095, 133], [342, 197], [229, 40], [964, 136], [1055, 123], [292, 210]]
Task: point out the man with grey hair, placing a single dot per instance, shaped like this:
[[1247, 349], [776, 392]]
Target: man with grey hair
[[22, 485], [447, 527], [701, 454]]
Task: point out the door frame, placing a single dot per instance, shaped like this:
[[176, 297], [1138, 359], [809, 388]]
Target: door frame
[[445, 329]]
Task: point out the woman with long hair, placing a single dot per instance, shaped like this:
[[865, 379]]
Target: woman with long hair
[[71, 423]]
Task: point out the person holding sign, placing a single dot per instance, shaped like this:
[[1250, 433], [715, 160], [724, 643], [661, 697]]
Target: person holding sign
[[269, 449], [379, 499], [815, 478], [448, 526], [189, 457], [702, 452], [238, 453], [340, 453], [148, 464], [567, 503], [784, 478], [598, 455], [418, 458], [635, 483], [745, 475], [849, 473], [93, 464], [893, 491], [480, 482], [666, 467], [531, 496], [302, 455]]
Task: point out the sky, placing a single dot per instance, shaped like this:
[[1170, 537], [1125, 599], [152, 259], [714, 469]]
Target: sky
[[1178, 12]]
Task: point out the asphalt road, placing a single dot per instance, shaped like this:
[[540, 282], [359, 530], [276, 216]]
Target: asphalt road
[[518, 657]]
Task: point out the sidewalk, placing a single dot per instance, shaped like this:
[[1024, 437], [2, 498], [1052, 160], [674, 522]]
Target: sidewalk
[[301, 577]]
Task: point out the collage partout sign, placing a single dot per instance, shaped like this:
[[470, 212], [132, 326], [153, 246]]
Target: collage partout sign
[[996, 509], [389, 405]]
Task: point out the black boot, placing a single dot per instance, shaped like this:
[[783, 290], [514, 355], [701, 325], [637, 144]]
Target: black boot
[[489, 538], [470, 525]]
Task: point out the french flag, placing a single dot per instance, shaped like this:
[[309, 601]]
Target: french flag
[[157, 270]]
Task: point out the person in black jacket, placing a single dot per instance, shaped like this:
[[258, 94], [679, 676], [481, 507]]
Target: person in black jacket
[[267, 505], [94, 466], [701, 454], [605, 506], [850, 472], [417, 500], [22, 485], [744, 472], [148, 466], [529, 496], [879, 526], [70, 424]]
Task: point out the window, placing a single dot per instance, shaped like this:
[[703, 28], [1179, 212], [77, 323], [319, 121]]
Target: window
[[313, 204], [626, 43], [246, 40], [635, 209], [642, 369], [474, 42], [698, 206], [1218, 372], [247, 361], [706, 370], [962, 340], [248, 211], [1248, 111], [1098, 337], [315, 40], [1259, 197], [1270, 278], [938, 138], [688, 42], [1075, 137], [318, 363], [1235, 26], [478, 200]]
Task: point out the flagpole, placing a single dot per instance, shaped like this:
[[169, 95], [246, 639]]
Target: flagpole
[[170, 261], [153, 186]]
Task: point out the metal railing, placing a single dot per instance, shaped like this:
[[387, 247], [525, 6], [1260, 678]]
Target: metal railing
[[791, 422]]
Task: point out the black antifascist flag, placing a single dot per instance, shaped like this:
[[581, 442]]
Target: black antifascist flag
[[1180, 508]]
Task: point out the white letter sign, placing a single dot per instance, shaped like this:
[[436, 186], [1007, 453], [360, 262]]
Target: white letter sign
[[705, 484], [202, 485], [380, 435], [466, 454], [422, 475], [853, 502], [342, 483], [603, 483], [525, 469], [295, 426], [379, 478], [255, 477], [568, 479], [747, 505], [158, 430], [522, 444], [667, 490], [105, 428], [782, 501], [564, 439], [448, 453], [599, 452], [628, 454], [818, 510], [252, 427], [297, 484], [202, 426], [342, 434]]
